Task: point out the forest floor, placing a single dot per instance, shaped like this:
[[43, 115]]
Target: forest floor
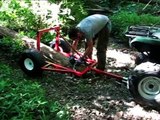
[[100, 98], [97, 98]]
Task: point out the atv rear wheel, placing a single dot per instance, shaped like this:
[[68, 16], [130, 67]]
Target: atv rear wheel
[[140, 58], [145, 87], [31, 62]]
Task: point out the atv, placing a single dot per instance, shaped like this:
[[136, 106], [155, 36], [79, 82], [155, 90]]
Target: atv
[[144, 83]]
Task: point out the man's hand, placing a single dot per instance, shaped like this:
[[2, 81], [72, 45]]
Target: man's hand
[[80, 61], [72, 59]]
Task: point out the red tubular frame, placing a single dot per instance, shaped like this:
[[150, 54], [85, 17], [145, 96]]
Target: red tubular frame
[[59, 68], [40, 32]]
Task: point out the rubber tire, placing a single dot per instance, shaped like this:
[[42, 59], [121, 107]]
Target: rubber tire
[[31, 62], [135, 88], [65, 47], [140, 58]]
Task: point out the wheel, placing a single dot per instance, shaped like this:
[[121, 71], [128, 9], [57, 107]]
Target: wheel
[[140, 58], [65, 47], [31, 62], [145, 88]]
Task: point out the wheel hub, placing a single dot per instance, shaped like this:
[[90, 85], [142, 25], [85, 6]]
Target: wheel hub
[[149, 87], [28, 63]]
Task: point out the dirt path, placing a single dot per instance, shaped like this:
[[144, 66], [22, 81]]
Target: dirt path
[[99, 98]]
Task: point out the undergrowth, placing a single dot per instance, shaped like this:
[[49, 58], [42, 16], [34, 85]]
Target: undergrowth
[[24, 99], [122, 20]]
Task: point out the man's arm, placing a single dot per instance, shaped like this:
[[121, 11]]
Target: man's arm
[[74, 46], [89, 48]]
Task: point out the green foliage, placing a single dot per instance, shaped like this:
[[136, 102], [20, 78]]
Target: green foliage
[[11, 46], [20, 16], [114, 4], [72, 11], [140, 8], [132, 13], [76, 12], [123, 19], [61, 113], [20, 101], [16, 16], [25, 100], [77, 9], [48, 37]]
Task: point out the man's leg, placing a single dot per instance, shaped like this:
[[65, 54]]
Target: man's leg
[[103, 38]]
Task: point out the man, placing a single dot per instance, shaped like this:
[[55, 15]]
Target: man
[[93, 27]]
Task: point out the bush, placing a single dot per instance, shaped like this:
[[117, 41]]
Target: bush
[[22, 99], [123, 19], [140, 8], [28, 17], [11, 46], [18, 17], [72, 12]]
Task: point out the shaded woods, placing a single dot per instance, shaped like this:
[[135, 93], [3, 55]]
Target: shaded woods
[[56, 96]]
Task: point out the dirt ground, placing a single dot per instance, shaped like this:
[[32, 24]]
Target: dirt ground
[[100, 98]]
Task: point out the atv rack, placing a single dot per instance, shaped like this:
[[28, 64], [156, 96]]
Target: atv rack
[[146, 31]]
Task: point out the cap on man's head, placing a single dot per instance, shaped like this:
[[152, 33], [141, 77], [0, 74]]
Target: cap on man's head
[[73, 33]]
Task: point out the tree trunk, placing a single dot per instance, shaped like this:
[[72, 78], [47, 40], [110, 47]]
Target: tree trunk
[[49, 53]]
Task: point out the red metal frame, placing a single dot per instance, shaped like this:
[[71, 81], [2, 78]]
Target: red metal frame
[[59, 68]]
